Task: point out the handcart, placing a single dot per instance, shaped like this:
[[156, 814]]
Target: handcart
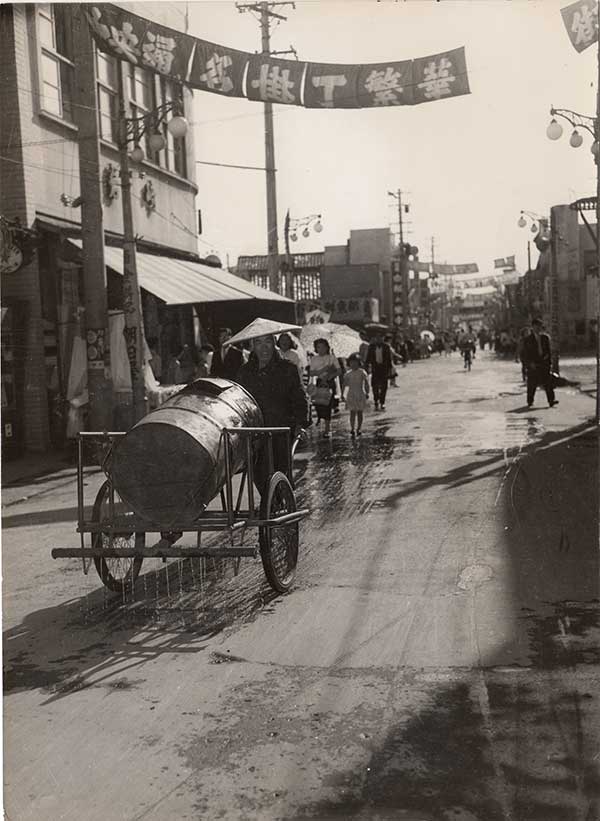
[[117, 538]]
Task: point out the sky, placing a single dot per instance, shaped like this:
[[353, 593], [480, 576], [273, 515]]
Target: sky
[[467, 165]]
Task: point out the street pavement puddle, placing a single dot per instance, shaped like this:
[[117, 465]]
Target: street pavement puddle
[[458, 435]]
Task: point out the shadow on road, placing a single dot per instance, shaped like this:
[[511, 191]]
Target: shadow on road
[[175, 609], [520, 742]]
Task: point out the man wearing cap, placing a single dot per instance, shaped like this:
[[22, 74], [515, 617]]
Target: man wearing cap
[[537, 359]]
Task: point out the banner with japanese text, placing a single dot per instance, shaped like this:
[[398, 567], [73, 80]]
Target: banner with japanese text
[[453, 270], [383, 84], [440, 76], [220, 70], [581, 22], [331, 86], [140, 41], [507, 263], [274, 81]]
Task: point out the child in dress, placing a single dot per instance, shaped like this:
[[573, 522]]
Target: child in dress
[[356, 382]]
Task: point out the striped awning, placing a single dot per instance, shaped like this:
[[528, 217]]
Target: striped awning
[[179, 282]]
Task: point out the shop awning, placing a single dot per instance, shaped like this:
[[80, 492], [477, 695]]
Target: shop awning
[[178, 282]]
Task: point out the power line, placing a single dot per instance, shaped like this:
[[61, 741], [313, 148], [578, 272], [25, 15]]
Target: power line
[[231, 165]]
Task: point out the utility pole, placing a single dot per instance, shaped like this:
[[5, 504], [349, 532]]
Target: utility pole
[[554, 292], [131, 290], [92, 232], [264, 9]]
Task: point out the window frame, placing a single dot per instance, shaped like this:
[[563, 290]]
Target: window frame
[[103, 86], [64, 65]]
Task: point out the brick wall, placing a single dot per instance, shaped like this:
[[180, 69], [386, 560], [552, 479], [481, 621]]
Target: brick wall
[[17, 199]]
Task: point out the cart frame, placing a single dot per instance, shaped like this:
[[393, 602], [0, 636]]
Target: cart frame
[[233, 518]]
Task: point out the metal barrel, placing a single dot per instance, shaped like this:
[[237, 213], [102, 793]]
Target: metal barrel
[[171, 463]]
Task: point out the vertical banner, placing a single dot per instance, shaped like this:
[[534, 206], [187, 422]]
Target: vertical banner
[[274, 81], [581, 22], [139, 41], [383, 84], [331, 86], [440, 76], [218, 69]]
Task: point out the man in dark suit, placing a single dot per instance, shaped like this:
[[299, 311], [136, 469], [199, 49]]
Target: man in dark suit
[[379, 362], [537, 359], [226, 362]]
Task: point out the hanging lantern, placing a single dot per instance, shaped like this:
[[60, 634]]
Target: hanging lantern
[[306, 233], [293, 236], [137, 155], [178, 127], [318, 226], [554, 130], [576, 139], [522, 222], [157, 142]]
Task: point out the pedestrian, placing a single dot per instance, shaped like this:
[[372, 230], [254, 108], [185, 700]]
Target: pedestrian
[[156, 359], [288, 348], [523, 335], [227, 360], [379, 361], [186, 365], [323, 371], [277, 388], [356, 382], [393, 372], [363, 349], [204, 361], [537, 358]]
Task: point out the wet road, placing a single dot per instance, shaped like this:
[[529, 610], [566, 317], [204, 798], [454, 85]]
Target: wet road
[[437, 659]]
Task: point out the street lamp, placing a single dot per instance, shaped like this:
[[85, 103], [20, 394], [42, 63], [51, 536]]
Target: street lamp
[[539, 226], [132, 130], [290, 230], [592, 126]]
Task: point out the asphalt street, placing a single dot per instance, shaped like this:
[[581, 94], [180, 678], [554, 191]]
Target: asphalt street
[[437, 657]]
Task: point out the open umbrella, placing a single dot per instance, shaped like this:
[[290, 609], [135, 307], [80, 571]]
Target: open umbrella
[[342, 339], [428, 335], [261, 327]]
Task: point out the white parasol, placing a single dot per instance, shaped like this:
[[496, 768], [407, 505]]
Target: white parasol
[[342, 339]]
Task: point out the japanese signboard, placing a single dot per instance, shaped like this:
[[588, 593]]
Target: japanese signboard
[[140, 42], [383, 84], [581, 22], [218, 69], [330, 86], [440, 76], [275, 81], [221, 70]]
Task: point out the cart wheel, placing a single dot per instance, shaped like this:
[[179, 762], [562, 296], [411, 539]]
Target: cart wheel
[[279, 545], [116, 574]]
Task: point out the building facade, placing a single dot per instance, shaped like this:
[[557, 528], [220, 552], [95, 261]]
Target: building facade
[[42, 298], [351, 282]]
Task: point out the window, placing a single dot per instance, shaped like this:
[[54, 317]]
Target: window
[[176, 158], [56, 62], [142, 99], [108, 96]]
